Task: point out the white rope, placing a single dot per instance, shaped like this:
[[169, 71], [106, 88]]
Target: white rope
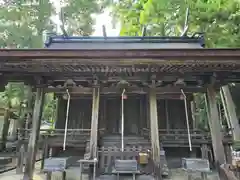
[[186, 112], [66, 122], [122, 122]]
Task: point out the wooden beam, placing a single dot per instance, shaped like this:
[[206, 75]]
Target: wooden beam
[[230, 112], [154, 131], [32, 145], [95, 55], [215, 127], [129, 90], [159, 96], [94, 123]]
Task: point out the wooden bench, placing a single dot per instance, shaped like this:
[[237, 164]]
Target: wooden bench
[[126, 167], [57, 165]]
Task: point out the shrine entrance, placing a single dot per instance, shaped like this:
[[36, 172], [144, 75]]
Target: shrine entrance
[[95, 73]]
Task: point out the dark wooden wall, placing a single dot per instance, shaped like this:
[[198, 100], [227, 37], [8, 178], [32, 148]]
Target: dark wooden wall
[[132, 115], [80, 113], [177, 117], [161, 106], [135, 114], [112, 114], [174, 111]]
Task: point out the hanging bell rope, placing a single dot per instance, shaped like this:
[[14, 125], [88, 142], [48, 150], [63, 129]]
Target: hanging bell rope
[[122, 121], [186, 112], [66, 122]]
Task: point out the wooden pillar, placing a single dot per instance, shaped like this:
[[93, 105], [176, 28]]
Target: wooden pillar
[[167, 115], [204, 151], [94, 123], [230, 112], [189, 112], [45, 152], [25, 134], [141, 117], [193, 113], [154, 131], [104, 122], [20, 159], [215, 127], [56, 114], [147, 113], [32, 144], [29, 110], [228, 152]]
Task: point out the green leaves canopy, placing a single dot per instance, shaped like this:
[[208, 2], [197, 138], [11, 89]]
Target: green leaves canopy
[[166, 18], [78, 15], [23, 22]]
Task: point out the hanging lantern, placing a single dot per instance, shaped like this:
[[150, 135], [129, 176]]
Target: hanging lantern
[[124, 96], [65, 96], [181, 97]]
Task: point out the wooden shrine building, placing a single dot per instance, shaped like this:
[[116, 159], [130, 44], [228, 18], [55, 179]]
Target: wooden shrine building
[[155, 77]]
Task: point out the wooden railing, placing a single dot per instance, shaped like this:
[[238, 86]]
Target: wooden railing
[[177, 132], [24, 134], [181, 135], [55, 137], [72, 134]]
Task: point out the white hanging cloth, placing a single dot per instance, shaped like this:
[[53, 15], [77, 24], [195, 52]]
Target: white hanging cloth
[[66, 121], [187, 120], [122, 122]]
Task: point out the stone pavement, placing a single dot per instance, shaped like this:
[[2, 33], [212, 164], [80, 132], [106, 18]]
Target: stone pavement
[[11, 175]]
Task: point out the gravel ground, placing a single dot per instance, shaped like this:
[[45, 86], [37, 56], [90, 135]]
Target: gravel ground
[[175, 174], [73, 174], [14, 160], [179, 174]]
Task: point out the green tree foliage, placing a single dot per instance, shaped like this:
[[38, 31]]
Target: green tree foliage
[[166, 18], [79, 15], [49, 110], [14, 94], [22, 23], [11, 99]]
